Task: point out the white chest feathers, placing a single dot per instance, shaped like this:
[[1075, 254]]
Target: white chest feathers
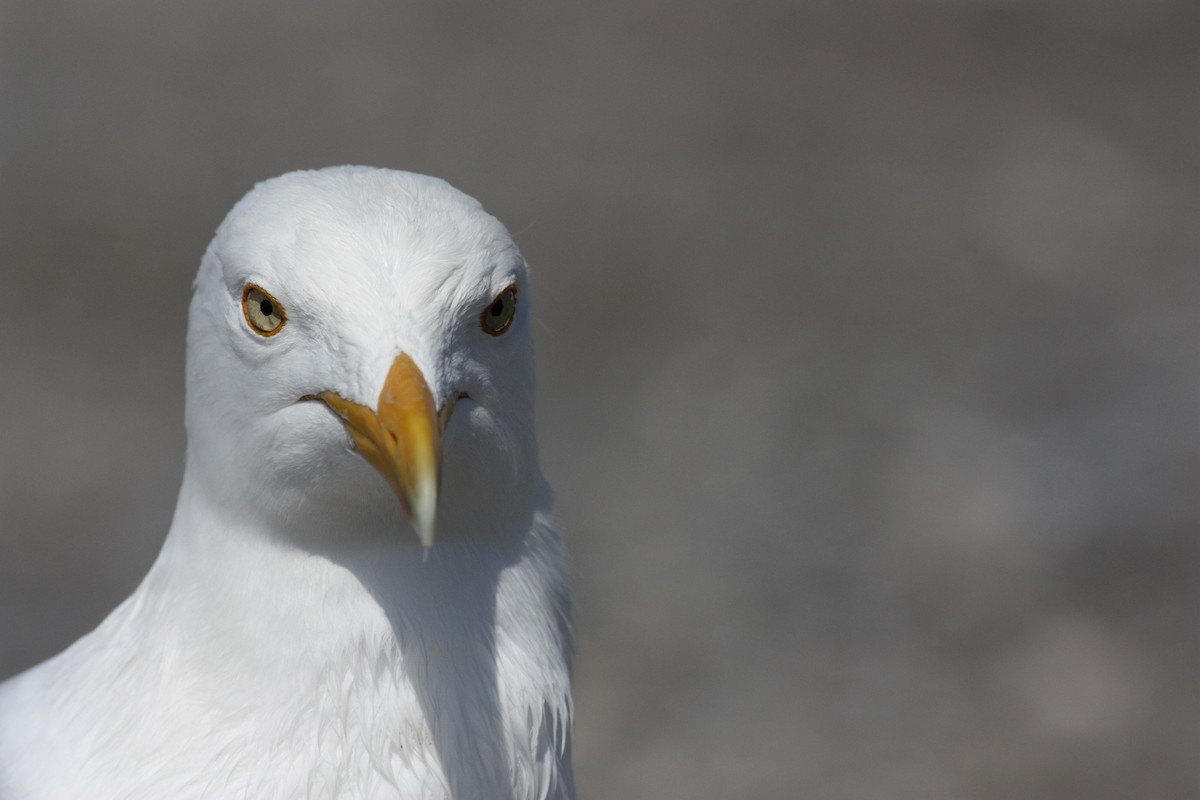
[[475, 704]]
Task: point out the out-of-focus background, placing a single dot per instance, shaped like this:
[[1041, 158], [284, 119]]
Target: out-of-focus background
[[869, 357]]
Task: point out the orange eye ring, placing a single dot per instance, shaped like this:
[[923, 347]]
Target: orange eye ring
[[264, 314]]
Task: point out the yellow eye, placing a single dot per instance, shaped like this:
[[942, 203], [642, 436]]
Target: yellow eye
[[499, 314], [264, 315]]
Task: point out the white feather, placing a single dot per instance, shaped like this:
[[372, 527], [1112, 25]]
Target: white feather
[[294, 639]]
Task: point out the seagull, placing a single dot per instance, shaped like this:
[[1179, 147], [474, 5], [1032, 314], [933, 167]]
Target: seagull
[[362, 593]]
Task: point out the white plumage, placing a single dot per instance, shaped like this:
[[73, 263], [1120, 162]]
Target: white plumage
[[294, 638]]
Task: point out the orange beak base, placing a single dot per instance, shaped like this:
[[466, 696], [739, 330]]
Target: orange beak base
[[401, 439]]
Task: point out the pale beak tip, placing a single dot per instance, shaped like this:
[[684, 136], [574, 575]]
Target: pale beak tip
[[426, 539], [424, 509]]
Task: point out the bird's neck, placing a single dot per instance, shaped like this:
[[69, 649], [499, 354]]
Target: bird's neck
[[402, 648], [311, 580]]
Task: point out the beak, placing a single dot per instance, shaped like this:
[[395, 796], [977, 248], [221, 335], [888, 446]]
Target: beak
[[402, 439]]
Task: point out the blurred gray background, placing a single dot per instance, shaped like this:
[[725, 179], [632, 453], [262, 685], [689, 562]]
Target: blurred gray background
[[869, 357]]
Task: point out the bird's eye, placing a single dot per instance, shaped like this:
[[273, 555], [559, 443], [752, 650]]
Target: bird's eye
[[499, 313], [264, 315]]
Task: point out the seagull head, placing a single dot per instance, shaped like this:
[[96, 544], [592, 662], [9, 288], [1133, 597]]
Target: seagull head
[[359, 348]]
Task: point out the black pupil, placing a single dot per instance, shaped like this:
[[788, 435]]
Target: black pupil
[[497, 307], [266, 308]]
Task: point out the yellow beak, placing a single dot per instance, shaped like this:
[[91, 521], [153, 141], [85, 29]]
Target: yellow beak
[[402, 439]]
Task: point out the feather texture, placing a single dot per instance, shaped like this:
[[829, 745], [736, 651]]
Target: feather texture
[[293, 639]]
